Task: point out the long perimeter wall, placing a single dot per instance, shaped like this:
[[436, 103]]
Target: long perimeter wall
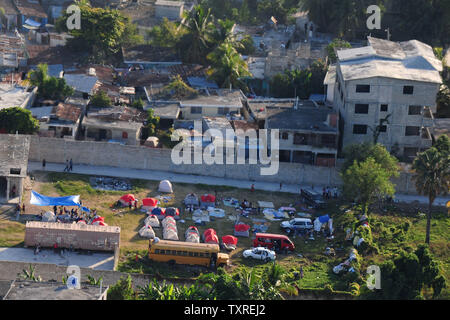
[[136, 157]]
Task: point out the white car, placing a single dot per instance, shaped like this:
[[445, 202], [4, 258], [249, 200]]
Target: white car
[[297, 224], [260, 253]]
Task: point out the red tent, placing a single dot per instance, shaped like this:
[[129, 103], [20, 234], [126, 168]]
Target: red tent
[[98, 219], [210, 236], [149, 202], [208, 198], [241, 227], [128, 198], [229, 240]]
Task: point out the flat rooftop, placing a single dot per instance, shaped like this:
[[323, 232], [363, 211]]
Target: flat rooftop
[[258, 107], [12, 96], [169, 3], [301, 119], [165, 110], [29, 290], [216, 98]]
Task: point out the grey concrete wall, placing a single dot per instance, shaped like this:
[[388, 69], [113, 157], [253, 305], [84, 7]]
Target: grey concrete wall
[[135, 157]]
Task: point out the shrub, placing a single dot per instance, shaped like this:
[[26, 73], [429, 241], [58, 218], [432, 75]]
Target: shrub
[[354, 288]]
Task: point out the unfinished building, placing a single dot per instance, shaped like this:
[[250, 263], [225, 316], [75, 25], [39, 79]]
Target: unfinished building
[[14, 151]]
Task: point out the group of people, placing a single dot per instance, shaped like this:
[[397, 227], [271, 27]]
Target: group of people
[[73, 215], [69, 165], [328, 192]]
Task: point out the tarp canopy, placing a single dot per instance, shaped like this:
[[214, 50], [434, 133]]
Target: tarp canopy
[[324, 219], [229, 240], [149, 202], [41, 200]]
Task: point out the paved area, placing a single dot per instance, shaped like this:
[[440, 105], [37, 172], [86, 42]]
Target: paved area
[[96, 261], [187, 178]]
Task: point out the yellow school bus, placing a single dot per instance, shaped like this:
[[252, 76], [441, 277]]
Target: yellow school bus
[[201, 254]]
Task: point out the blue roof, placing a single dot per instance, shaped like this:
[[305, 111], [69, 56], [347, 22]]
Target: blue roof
[[202, 82]]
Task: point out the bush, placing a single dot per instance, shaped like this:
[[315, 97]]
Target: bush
[[354, 288], [122, 290]]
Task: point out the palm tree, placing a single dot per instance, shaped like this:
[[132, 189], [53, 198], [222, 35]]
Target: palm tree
[[227, 67], [196, 43], [224, 33], [432, 176]]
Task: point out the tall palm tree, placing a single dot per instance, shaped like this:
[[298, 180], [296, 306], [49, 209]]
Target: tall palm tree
[[227, 67], [196, 43], [432, 176], [224, 33]]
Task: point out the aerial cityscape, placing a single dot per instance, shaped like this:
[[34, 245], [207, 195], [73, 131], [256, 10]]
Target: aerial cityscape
[[224, 150]]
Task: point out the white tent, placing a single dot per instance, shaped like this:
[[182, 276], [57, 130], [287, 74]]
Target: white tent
[[147, 232], [170, 233], [193, 237], [49, 217], [165, 186], [152, 221]]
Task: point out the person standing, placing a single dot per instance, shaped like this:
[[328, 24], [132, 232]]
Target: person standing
[[66, 169], [43, 164], [70, 165]]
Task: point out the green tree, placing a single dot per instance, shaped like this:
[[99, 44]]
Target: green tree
[[336, 44], [100, 100], [247, 45], [432, 176], [49, 87], [30, 274], [405, 276], [268, 8], [228, 67], [19, 120], [122, 290], [152, 122], [167, 34], [366, 181], [443, 102], [102, 34], [361, 151], [138, 104], [196, 43]]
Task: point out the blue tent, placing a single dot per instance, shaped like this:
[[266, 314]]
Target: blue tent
[[41, 200], [324, 219]]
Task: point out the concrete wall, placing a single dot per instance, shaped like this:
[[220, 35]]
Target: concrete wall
[[135, 157]]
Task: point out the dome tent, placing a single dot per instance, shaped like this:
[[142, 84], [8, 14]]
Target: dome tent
[[207, 200], [160, 213], [229, 242], [210, 236], [191, 200], [173, 212], [127, 199], [152, 220], [165, 186], [241, 230], [192, 235], [149, 203], [147, 232]]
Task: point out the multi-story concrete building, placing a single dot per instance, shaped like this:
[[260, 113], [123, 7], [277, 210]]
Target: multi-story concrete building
[[387, 89]]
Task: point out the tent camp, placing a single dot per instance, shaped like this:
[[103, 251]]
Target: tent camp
[[168, 221], [127, 199], [152, 221], [49, 217], [149, 203], [147, 232], [41, 200], [192, 235], [207, 200], [191, 200], [165, 186], [210, 236], [318, 222], [241, 230], [229, 242], [200, 216]]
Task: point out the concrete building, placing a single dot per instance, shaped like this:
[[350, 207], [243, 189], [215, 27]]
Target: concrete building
[[118, 125], [393, 81], [16, 96], [14, 151], [30, 290], [213, 103], [171, 10], [61, 121], [84, 85], [307, 134], [13, 53]]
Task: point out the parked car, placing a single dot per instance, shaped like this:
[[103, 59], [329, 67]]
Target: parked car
[[297, 224], [276, 242], [313, 198], [260, 253]]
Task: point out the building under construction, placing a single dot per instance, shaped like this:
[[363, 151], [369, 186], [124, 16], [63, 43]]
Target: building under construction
[[72, 236]]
